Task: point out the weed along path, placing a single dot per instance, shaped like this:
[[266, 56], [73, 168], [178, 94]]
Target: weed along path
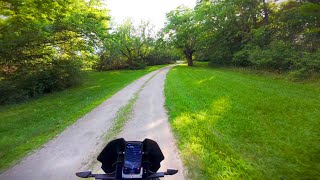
[[75, 148]]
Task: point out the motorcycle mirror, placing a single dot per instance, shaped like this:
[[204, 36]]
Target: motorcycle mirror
[[84, 174], [171, 171]]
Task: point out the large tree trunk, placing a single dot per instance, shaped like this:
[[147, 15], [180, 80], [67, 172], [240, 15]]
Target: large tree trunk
[[188, 55], [190, 61]]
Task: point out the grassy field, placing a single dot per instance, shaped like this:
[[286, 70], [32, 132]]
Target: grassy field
[[24, 127], [234, 125]]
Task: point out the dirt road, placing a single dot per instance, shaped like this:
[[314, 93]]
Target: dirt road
[[73, 149], [150, 120]]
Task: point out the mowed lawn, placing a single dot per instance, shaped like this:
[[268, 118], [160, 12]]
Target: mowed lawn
[[27, 126], [236, 125]]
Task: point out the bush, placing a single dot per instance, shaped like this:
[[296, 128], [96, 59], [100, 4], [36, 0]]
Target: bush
[[241, 58], [305, 66], [39, 79], [310, 61], [110, 64], [277, 56], [116, 64], [160, 57], [221, 56], [137, 65]]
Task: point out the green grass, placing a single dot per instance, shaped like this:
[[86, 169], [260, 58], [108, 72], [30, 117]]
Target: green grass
[[235, 125], [25, 127]]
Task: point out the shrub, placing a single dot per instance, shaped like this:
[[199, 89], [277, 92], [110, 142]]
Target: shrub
[[110, 64], [305, 66], [137, 65], [310, 61], [241, 58], [277, 56], [161, 57], [38, 79], [220, 56]]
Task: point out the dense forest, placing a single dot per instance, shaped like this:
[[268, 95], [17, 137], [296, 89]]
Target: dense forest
[[46, 45]]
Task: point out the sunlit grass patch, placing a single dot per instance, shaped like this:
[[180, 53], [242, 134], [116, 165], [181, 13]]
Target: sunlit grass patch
[[233, 125]]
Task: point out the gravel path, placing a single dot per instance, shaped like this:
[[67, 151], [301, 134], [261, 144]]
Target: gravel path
[[150, 120], [73, 149]]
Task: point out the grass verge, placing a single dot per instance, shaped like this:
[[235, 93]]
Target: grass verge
[[235, 125], [25, 127]]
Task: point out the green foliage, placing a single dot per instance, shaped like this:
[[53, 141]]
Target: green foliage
[[134, 47], [157, 57], [250, 33], [307, 65], [44, 43], [223, 27], [40, 78], [281, 57], [298, 23], [310, 61], [181, 27], [162, 52], [240, 125], [241, 58], [127, 48], [277, 55], [133, 43]]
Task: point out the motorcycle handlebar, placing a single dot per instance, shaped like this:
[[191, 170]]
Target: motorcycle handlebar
[[88, 174]]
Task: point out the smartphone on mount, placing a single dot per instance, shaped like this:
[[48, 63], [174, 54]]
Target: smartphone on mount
[[132, 167]]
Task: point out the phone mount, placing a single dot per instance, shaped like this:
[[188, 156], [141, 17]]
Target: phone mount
[[112, 159]]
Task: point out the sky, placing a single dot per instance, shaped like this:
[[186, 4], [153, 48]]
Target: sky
[[152, 10]]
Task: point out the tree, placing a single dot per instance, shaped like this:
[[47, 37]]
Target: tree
[[266, 35], [43, 43], [130, 43], [162, 51], [133, 42], [182, 30]]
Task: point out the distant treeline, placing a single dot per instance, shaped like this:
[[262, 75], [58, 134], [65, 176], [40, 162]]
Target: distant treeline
[[134, 47], [250, 33]]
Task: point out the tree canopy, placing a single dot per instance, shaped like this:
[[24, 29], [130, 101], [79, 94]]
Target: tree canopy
[[182, 29], [43, 43]]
